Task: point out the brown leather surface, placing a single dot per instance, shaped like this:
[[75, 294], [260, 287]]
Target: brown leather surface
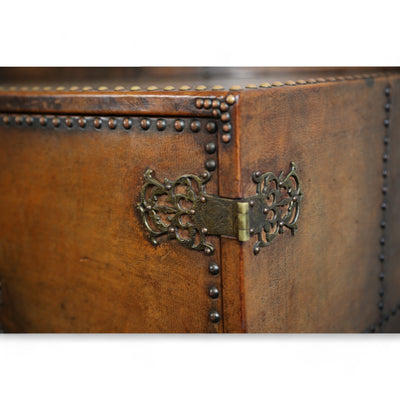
[[325, 278], [74, 256]]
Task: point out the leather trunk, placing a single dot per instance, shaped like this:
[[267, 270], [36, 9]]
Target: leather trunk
[[272, 195]]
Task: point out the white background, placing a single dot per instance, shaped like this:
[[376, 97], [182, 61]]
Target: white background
[[208, 33]]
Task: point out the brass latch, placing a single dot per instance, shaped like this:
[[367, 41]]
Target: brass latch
[[182, 210]]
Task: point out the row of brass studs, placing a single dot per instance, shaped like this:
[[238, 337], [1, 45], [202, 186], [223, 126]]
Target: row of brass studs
[[213, 293], [385, 172], [111, 122], [220, 110], [144, 124], [152, 88]]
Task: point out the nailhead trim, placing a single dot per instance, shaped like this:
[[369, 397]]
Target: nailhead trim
[[384, 204], [384, 316], [153, 88], [220, 120]]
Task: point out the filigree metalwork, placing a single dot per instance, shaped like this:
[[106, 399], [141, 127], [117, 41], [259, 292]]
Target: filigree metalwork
[[168, 209], [182, 210], [280, 199]]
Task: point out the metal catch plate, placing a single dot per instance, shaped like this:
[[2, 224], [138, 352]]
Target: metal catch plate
[[182, 210]]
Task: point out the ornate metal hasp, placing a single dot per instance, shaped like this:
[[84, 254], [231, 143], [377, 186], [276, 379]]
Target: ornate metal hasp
[[182, 210]]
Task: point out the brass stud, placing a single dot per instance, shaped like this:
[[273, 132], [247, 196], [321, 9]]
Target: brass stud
[[230, 99], [18, 120], [265, 210], [145, 124], [210, 147], [199, 103], [42, 120], [192, 211], [201, 87], [235, 87], [149, 207], [227, 127], [195, 126], [265, 85], [82, 122], [24, 88], [171, 229], [119, 88], [29, 120], [102, 88], [205, 174], [6, 120], [161, 124], [56, 121], [256, 250], [257, 174], [127, 123], [224, 107], [290, 83], [207, 251], [85, 88], [251, 86], [112, 123], [251, 230], [213, 292], [135, 88], [252, 203], [311, 80], [225, 117], [151, 88], [168, 186], [277, 83], [213, 269], [207, 103], [301, 82], [179, 125], [295, 199], [226, 137], [184, 87], [68, 122], [214, 316], [216, 113], [204, 230], [218, 87], [281, 223], [215, 103], [97, 122], [74, 88], [320, 80], [169, 88], [211, 165], [60, 88], [203, 199], [331, 79]]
